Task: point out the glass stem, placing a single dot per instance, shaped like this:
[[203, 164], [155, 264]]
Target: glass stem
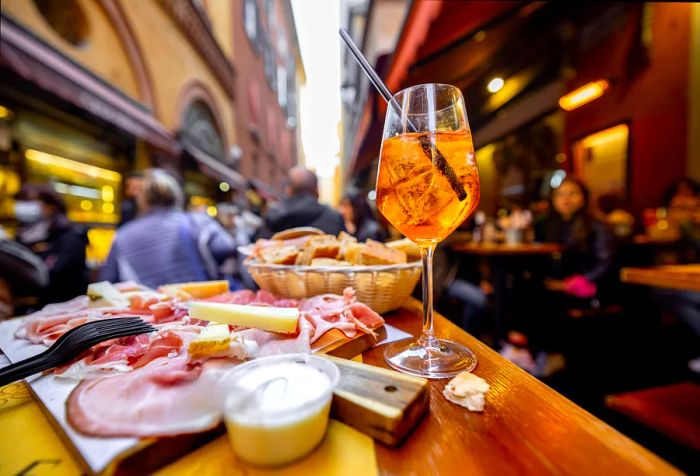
[[427, 338]]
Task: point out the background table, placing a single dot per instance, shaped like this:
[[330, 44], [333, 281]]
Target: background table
[[504, 259], [521, 249], [526, 427], [684, 277]]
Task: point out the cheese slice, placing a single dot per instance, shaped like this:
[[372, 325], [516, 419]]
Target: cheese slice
[[196, 290], [103, 294], [213, 341], [273, 319]]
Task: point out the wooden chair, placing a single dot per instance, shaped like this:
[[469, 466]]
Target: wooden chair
[[672, 410]]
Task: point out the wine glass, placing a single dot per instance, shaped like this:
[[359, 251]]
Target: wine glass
[[427, 186]]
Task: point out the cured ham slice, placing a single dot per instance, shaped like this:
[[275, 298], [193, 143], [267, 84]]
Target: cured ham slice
[[272, 343], [330, 311], [246, 296], [127, 353], [166, 397]]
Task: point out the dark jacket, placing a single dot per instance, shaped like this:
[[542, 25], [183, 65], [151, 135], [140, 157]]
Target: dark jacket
[[61, 246], [588, 247], [370, 229], [303, 210]]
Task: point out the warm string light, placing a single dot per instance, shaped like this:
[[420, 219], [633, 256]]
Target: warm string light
[[583, 95]]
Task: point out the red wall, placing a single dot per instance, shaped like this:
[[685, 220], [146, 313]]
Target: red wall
[[653, 101], [257, 108]]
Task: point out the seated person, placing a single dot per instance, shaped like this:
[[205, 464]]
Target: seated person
[[683, 201], [582, 273]]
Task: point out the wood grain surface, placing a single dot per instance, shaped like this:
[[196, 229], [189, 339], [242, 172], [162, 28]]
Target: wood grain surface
[[506, 250], [526, 427], [684, 277]]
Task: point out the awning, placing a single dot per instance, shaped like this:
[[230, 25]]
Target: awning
[[38, 62], [265, 190], [215, 168]]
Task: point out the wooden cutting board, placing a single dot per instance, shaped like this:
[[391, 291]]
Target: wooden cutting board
[[381, 403], [134, 455]]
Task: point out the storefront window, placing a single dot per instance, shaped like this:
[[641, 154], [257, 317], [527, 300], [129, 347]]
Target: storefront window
[[600, 159], [90, 192]]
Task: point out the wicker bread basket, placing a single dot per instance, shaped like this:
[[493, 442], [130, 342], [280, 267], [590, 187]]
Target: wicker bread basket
[[382, 287]]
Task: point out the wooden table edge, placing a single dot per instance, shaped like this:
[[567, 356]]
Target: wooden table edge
[[661, 277], [637, 456]]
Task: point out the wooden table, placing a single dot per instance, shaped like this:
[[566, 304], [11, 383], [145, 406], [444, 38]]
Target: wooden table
[[504, 259], [495, 249], [526, 427], [673, 410], [684, 277]]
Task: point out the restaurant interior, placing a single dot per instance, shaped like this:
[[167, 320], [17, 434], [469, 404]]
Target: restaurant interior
[[600, 98]]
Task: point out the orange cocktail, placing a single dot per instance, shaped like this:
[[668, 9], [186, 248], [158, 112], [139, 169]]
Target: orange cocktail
[[427, 185], [416, 194]]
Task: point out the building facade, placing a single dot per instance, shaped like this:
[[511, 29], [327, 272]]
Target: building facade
[[639, 59], [92, 90]]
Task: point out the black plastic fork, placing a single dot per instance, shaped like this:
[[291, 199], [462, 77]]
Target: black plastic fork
[[73, 343]]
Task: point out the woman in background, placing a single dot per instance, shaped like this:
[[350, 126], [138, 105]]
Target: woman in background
[[165, 244], [582, 273], [359, 219]]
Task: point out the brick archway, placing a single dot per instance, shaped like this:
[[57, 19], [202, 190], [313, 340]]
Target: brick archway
[[198, 91]]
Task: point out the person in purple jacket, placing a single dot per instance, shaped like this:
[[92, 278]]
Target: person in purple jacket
[[165, 244]]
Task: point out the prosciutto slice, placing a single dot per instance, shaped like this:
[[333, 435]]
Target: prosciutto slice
[[273, 343], [330, 311], [164, 398], [127, 353]]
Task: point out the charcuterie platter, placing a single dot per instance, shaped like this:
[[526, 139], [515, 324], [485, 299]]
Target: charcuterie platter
[[155, 392]]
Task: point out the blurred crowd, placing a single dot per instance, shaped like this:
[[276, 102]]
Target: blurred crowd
[[157, 240]]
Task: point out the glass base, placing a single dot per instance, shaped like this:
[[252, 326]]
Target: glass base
[[444, 360]]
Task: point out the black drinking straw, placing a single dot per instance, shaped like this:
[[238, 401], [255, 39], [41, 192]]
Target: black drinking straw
[[372, 74], [428, 147]]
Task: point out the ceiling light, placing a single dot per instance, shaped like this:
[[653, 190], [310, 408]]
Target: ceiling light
[[495, 85], [583, 95]]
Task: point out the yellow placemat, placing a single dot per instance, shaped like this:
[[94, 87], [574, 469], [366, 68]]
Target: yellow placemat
[[344, 451], [30, 446]]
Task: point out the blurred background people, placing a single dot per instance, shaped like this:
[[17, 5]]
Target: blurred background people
[[581, 274], [682, 193], [129, 208], [22, 273], [60, 243], [166, 244], [683, 201], [301, 207], [358, 217]]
